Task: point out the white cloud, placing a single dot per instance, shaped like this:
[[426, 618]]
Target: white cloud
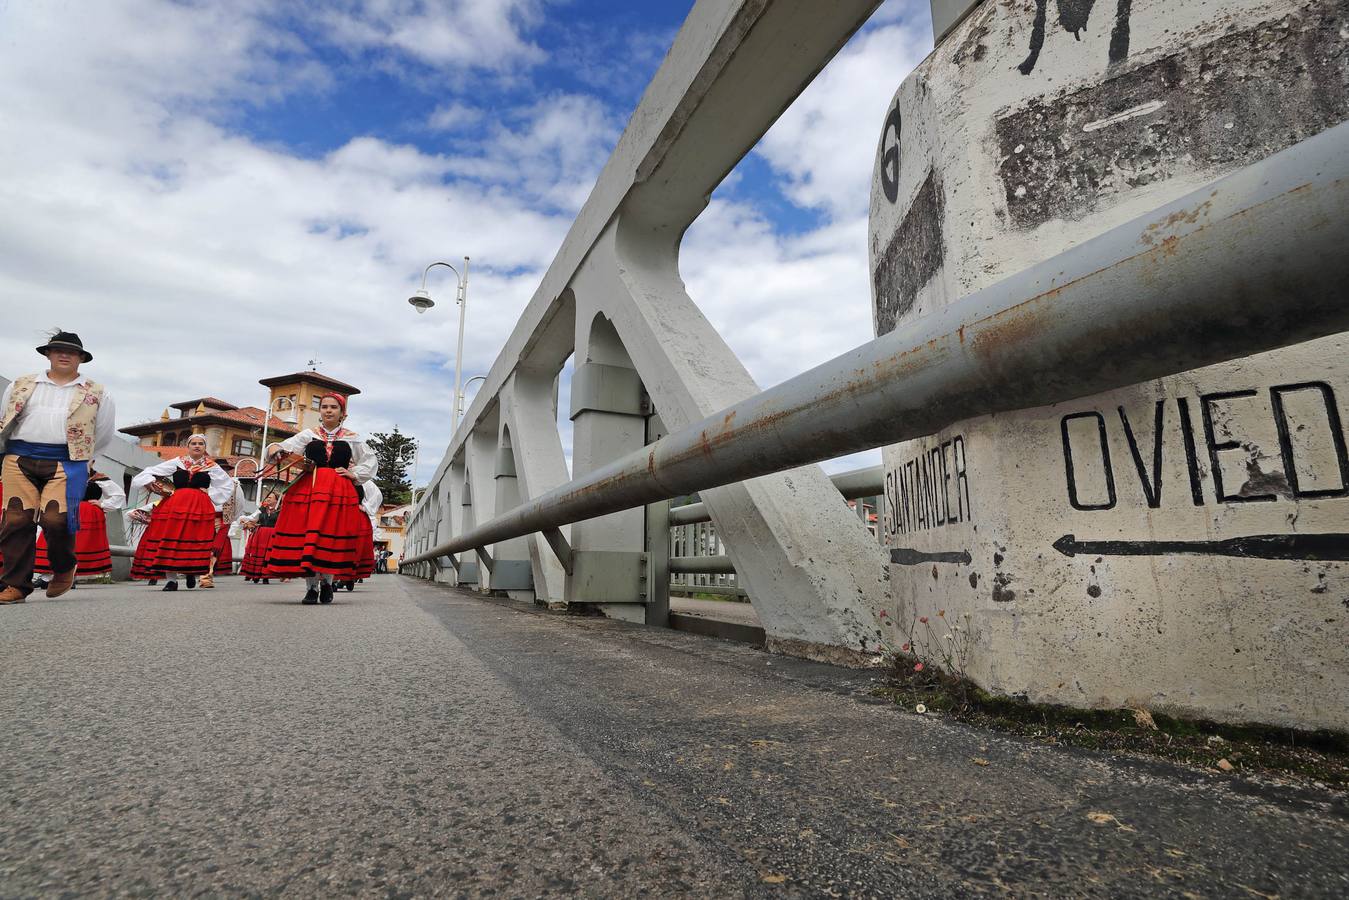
[[194, 259], [453, 116], [787, 303], [825, 143], [456, 33]]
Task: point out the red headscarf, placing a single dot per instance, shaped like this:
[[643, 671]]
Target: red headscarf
[[341, 401]]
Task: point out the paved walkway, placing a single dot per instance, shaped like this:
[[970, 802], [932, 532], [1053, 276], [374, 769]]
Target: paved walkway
[[411, 739]]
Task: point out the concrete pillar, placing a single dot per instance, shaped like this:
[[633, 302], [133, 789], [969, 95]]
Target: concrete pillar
[[607, 422], [480, 464], [814, 574], [215, 441], [540, 465], [455, 512], [512, 570], [1052, 528]]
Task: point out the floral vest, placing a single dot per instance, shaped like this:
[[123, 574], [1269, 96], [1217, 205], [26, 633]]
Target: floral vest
[[79, 423]]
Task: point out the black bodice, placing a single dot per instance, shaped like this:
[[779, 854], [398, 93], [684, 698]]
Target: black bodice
[[183, 478], [267, 519], [316, 453]]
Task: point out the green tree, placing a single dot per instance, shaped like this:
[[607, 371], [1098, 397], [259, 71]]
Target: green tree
[[395, 452]]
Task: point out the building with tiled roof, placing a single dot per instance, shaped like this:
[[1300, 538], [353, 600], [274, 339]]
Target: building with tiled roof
[[231, 431], [295, 397], [235, 433]]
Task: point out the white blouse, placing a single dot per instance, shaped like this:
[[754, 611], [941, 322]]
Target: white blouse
[[220, 491], [364, 463], [114, 498]]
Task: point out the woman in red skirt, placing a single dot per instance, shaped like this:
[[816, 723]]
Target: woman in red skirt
[[261, 526], [181, 532], [93, 555], [320, 531]]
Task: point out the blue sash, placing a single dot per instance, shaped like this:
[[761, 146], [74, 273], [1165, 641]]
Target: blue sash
[[77, 473]]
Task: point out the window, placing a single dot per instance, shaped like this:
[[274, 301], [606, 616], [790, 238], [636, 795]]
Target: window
[[170, 439], [314, 401], [283, 403], [244, 447]]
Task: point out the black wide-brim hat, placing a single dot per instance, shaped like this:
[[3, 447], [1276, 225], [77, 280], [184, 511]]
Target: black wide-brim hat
[[66, 340]]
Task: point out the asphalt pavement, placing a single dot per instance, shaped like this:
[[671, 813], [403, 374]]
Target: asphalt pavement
[[415, 740]]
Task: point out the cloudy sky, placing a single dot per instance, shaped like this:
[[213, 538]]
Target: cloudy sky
[[215, 192]]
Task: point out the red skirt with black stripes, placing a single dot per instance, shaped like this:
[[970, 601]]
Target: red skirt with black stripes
[[255, 554], [179, 538], [321, 528], [223, 550], [93, 555]]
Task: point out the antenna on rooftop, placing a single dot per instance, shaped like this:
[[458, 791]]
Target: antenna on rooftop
[[314, 364]]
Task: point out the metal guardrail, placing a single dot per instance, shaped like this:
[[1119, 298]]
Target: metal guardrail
[[1252, 262], [868, 482], [698, 562]]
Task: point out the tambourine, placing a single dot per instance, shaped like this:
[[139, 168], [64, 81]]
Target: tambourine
[[162, 486]]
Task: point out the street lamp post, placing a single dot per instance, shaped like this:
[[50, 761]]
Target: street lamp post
[[421, 301], [416, 450], [463, 398]]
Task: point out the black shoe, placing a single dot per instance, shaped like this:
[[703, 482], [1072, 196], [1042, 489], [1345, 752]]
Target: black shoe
[[191, 582], [266, 581], [170, 586], [153, 581], [325, 593], [311, 597], [351, 586]]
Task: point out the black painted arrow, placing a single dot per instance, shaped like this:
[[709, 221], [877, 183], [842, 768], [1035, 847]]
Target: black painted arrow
[[1325, 547], [906, 556]]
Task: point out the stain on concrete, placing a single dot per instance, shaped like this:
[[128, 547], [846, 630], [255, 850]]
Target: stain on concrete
[[1001, 593], [913, 256], [1211, 107]]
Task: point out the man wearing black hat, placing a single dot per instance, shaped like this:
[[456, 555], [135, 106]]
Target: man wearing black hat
[[52, 425]]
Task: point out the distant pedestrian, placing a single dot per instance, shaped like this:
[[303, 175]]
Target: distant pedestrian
[[181, 533], [261, 526], [322, 525], [52, 425]]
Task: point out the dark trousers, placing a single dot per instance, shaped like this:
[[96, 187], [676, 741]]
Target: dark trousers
[[35, 494]]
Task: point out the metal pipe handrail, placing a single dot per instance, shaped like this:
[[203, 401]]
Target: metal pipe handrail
[[1252, 262], [853, 485], [701, 565]]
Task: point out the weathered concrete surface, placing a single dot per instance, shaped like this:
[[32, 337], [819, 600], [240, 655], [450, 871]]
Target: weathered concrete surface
[[1116, 548], [734, 66], [412, 739]]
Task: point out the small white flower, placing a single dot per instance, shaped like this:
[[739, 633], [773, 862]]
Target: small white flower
[[920, 709], [948, 637]]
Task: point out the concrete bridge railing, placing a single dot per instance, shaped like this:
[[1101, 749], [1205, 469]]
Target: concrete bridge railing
[[1200, 263]]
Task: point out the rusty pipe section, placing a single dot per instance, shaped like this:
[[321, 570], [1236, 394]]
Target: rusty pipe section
[[868, 482], [701, 565], [1252, 262]]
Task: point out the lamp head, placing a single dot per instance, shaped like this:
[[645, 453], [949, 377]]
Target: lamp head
[[421, 301]]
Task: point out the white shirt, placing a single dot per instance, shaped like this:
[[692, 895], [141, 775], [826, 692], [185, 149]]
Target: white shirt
[[44, 416], [220, 491], [364, 463], [114, 498]]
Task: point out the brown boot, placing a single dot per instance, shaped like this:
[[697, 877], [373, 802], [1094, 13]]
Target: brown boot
[[60, 583], [12, 595], [206, 581]]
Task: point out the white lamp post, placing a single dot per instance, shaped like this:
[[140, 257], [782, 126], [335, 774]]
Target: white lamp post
[[421, 301], [416, 451]]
